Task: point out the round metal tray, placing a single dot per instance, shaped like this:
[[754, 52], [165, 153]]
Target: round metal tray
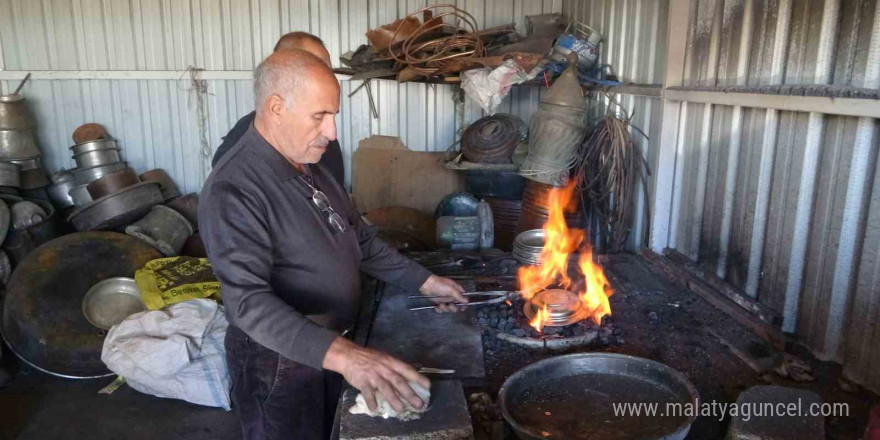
[[572, 397], [117, 210], [42, 319], [110, 301]]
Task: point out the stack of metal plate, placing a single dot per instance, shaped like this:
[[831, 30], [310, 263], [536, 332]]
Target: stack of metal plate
[[527, 247]]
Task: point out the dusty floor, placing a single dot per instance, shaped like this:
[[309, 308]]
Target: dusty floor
[[42, 407], [38, 406]]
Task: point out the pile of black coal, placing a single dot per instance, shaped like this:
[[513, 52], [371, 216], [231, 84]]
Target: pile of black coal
[[510, 318]]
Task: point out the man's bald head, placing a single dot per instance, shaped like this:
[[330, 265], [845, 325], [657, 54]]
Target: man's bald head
[[284, 73], [295, 40], [303, 41], [297, 99]]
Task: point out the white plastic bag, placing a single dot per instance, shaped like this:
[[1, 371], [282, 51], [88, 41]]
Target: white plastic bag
[[489, 86], [176, 352]]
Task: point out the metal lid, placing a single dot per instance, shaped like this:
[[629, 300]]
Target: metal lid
[[565, 307]]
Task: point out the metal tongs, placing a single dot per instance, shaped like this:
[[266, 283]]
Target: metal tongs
[[497, 297]]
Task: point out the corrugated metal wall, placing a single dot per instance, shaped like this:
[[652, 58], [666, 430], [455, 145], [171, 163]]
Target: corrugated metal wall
[[157, 120], [786, 205], [634, 45]]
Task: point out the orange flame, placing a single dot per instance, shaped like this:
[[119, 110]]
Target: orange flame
[[559, 243], [538, 321]]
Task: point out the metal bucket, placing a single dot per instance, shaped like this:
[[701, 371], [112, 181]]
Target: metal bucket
[[80, 195], [18, 144], [112, 183], [84, 176], [169, 188], [97, 158], [163, 228], [10, 175], [59, 190], [14, 114], [573, 397]]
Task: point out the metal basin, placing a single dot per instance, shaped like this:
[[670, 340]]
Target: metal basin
[[110, 301], [97, 158], [187, 205], [115, 211], [112, 183], [14, 114], [169, 188], [26, 214], [34, 179], [30, 163], [571, 397], [10, 175], [20, 242], [18, 144], [42, 317], [163, 228], [84, 176], [80, 195], [59, 191], [93, 145]]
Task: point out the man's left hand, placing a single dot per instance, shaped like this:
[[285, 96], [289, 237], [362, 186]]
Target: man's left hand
[[451, 294]]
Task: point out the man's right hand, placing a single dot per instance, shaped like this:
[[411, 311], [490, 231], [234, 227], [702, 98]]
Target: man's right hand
[[372, 371]]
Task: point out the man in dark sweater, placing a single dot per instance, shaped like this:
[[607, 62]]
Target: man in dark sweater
[[332, 158], [288, 247]]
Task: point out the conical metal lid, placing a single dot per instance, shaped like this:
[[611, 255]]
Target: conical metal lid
[[566, 90]]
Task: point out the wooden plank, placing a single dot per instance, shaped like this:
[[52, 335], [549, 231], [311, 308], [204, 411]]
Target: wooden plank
[[664, 266], [751, 305]]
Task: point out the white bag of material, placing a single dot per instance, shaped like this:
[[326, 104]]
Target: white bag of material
[[176, 352], [488, 86]]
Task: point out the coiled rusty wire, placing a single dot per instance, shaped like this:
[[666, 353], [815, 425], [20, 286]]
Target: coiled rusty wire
[[431, 56], [607, 166], [492, 139]]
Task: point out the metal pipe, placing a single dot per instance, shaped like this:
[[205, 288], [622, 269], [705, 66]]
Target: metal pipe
[[807, 189], [864, 154]]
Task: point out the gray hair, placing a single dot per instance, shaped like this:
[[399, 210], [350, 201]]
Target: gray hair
[[282, 76]]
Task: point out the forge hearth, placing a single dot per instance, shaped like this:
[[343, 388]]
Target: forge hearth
[[508, 323]]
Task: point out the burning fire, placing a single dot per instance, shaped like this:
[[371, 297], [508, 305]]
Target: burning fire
[[538, 321], [560, 242]]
